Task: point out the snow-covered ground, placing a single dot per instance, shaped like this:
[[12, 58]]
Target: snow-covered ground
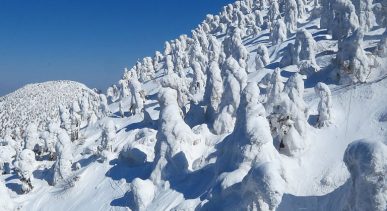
[[309, 141]]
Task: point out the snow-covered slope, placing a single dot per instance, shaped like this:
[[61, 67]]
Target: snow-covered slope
[[38, 102], [266, 107]]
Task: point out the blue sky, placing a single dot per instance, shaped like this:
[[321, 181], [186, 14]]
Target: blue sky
[[89, 41]]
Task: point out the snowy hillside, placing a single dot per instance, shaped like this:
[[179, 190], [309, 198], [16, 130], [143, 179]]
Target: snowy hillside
[[38, 102], [266, 106]]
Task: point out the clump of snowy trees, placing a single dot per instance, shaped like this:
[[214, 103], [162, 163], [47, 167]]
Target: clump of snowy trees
[[287, 112]]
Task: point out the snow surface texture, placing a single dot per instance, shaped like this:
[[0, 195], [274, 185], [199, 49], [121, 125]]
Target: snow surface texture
[[266, 106]]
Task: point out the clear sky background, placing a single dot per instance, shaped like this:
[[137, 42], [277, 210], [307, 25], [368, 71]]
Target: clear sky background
[[89, 41]]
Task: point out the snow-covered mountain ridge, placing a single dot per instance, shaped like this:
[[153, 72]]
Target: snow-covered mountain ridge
[[266, 106], [38, 102]]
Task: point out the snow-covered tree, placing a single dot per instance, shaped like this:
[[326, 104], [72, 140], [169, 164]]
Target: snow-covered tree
[[273, 12], [65, 121], [112, 93], [75, 119], [124, 89], [63, 163], [181, 86], [138, 96], [169, 66], [214, 87], [380, 10], [234, 82], [31, 137], [291, 16], [352, 61], [52, 139], [215, 48], [258, 18], [325, 104], [8, 150], [24, 167], [304, 53], [327, 13], [252, 157], [167, 48], [103, 106], [301, 8], [233, 46], [274, 89], [85, 106], [366, 162], [287, 113], [364, 13], [262, 58], [199, 82], [344, 21], [278, 35], [109, 132], [174, 137], [121, 109]]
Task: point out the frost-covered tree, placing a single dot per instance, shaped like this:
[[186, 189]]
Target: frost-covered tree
[[234, 82], [175, 138], [327, 13], [138, 96], [262, 58], [75, 119], [352, 61], [24, 167], [344, 21], [63, 163], [169, 66], [273, 12], [103, 106], [380, 10], [278, 35], [364, 13], [108, 136], [366, 162], [214, 49], [233, 46], [214, 87], [287, 113], [52, 139], [121, 109], [325, 104], [8, 150], [274, 89], [65, 121], [31, 138], [181, 86], [167, 48], [124, 89], [304, 53], [253, 158], [112, 93], [199, 82], [301, 9], [291, 16], [258, 18], [85, 106]]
